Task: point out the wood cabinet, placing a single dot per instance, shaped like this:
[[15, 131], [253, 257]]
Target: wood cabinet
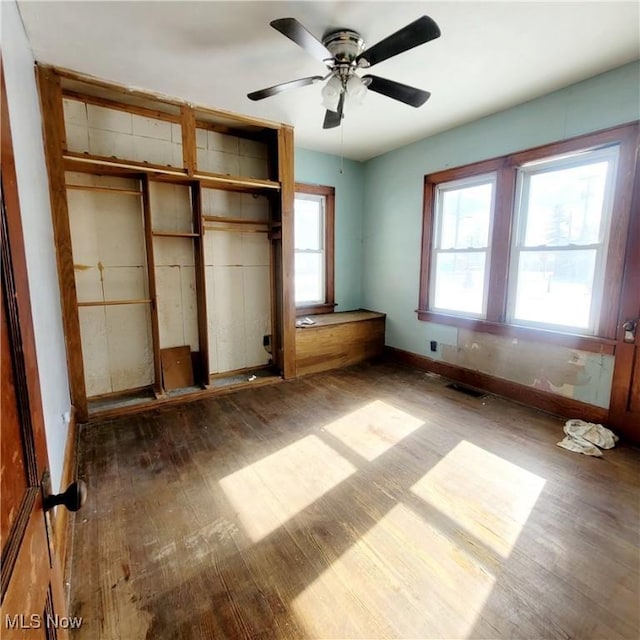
[[338, 340], [174, 228]]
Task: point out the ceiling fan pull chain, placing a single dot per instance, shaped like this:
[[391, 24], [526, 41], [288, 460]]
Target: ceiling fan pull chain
[[342, 146]]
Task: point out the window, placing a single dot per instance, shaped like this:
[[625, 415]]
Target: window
[[533, 242], [464, 211], [559, 251], [314, 240]]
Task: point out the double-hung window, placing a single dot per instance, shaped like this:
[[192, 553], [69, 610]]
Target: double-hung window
[[532, 242], [558, 258], [460, 262], [313, 240]]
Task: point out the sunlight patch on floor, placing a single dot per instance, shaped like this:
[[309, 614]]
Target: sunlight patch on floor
[[274, 489], [403, 578], [373, 429], [487, 495]]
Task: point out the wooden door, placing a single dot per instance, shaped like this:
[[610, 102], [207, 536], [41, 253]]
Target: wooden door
[[31, 588], [624, 414]]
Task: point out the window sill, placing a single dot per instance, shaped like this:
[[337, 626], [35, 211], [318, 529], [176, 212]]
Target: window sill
[[594, 344], [323, 307]]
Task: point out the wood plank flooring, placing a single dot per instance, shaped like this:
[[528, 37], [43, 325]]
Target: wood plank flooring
[[368, 502]]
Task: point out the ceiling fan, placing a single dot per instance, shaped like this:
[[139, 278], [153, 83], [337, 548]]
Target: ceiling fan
[[343, 52]]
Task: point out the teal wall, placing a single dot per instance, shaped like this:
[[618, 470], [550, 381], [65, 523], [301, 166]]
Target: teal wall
[[393, 186], [320, 168], [379, 217], [393, 183]]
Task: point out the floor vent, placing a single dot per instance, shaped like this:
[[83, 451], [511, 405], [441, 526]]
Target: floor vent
[[467, 390]]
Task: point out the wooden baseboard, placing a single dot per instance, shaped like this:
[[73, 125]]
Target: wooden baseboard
[[68, 476], [550, 402]]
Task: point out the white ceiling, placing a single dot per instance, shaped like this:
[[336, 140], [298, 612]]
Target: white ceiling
[[491, 55]]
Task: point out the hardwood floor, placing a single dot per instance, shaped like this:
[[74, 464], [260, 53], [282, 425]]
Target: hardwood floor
[[368, 502]]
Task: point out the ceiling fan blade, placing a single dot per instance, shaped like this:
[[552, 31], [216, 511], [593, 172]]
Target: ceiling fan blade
[[334, 118], [418, 32], [397, 91], [291, 28], [283, 86]]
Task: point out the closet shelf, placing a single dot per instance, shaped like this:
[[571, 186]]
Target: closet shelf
[[233, 229], [84, 161], [175, 234], [251, 185], [231, 220], [108, 303], [116, 190], [95, 163]]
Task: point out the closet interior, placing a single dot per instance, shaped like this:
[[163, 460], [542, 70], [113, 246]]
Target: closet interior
[[173, 226]]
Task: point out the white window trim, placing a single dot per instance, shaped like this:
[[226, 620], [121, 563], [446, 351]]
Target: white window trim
[[610, 154], [322, 199], [485, 178]]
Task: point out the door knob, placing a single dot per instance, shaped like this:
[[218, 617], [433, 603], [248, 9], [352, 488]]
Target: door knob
[[629, 328], [73, 498]]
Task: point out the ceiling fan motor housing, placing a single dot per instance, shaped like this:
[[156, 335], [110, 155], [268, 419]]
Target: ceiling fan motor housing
[[345, 45]]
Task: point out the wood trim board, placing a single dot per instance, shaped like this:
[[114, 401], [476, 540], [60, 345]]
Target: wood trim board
[[543, 400], [151, 278], [287, 194], [62, 520], [53, 132]]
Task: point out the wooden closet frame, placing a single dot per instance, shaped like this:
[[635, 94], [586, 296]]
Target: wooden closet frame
[[55, 84]]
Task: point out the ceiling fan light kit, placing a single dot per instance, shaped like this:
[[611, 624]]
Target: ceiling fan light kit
[[356, 89], [343, 52], [331, 93]]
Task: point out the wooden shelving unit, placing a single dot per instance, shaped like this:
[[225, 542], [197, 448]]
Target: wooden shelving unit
[[101, 130]]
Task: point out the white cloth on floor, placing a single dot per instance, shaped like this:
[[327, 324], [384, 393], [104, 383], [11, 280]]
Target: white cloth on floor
[[583, 437], [580, 445]]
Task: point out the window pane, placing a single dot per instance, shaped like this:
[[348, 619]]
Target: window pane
[[555, 287], [565, 206], [309, 280], [308, 223], [465, 216], [460, 282]]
